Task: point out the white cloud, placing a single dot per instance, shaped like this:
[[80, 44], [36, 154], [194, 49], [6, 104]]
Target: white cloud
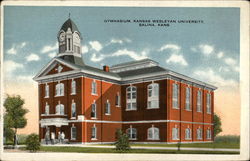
[[204, 49], [96, 45], [10, 66], [131, 54], [224, 69], [119, 41], [210, 76], [12, 51], [85, 49], [179, 59], [96, 58], [236, 68], [220, 54], [173, 47], [52, 54], [14, 48], [49, 48], [33, 57], [230, 61]]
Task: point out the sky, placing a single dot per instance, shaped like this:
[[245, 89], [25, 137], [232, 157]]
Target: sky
[[207, 51]]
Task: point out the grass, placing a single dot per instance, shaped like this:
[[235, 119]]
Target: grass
[[112, 150]]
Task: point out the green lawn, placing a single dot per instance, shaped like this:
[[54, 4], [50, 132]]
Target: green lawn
[[111, 150]]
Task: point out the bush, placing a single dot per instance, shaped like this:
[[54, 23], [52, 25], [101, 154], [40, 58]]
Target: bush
[[227, 139], [33, 143], [122, 143]]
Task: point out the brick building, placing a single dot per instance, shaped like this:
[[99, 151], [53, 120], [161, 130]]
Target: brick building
[[148, 102]]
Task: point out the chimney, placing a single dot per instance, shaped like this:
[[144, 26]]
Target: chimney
[[106, 68]]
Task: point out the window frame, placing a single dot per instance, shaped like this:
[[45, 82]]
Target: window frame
[[188, 134], [199, 134], [188, 101], [71, 132], [209, 134], [95, 112], [130, 132], [94, 87], [73, 103], [175, 133], [107, 108], [95, 132], [131, 101], [46, 91], [208, 103], [118, 100], [59, 89], [47, 109], [153, 87], [199, 101], [59, 108], [154, 131], [73, 87], [177, 96]]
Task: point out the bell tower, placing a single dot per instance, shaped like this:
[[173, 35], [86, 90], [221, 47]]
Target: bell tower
[[69, 41]]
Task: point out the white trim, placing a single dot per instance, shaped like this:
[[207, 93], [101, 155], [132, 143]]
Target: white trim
[[142, 121]]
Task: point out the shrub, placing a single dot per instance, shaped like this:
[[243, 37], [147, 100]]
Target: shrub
[[122, 143], [227, 139], [33, 143]]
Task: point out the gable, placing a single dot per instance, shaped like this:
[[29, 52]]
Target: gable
[[57, 67], [52, 68]]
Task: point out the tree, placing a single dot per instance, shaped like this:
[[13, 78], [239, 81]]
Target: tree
[[15, 114], [8, 132], [32, 142], [217, 125], [122, 143]]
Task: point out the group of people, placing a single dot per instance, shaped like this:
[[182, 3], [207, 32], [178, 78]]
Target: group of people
[[61, 137]]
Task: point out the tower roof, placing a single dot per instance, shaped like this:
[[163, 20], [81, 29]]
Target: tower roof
[[69, 24]]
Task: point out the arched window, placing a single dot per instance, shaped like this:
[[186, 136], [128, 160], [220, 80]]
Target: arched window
[[175, 133], [209, 134], [175, 98], [153, 133], [187, 133], [199, 133], [188, 99], [46, 90], [131, 98], [94, 87], [60, 89], [93, 110], [153, 95], [208, 103], [93, 132], [60, 109], [73, 109], [47, 109], [132, 133], [199, 101], [73, 87], [107, 108]]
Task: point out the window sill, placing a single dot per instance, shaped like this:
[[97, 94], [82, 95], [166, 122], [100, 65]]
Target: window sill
[[46, 97], [93, 138], [175, 139], [153, 139], [188, 139], [117, 105], [132, 139], [199, 139], [188, 110], [130, 109], [73, 94], [209, 113], [149, 108], [94, 94], [59, 95], [175, 108], [73, 139], [73, 118], [107, 114], [199, 111], [94, 118]]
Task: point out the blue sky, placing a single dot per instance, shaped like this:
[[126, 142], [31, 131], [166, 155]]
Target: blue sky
[[207, 51]]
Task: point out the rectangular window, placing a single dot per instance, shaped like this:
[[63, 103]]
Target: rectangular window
[[131, 98], [188, 99], [199, 101], [73, 87], [93, 110], [73, 133], [175, 96], [73, 110], [199, 134], [208, 103], [117, 100], [46, 90], [47, 109], [94, 87], [93, 133], [107, 108]]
